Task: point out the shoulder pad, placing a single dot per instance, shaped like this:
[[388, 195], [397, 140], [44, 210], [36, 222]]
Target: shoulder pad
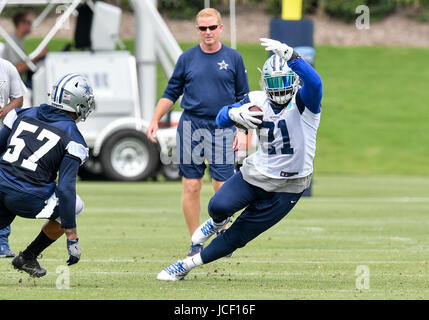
[[10, 118]]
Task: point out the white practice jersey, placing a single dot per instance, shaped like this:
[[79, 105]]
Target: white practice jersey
[[287, 140], [11, 85]]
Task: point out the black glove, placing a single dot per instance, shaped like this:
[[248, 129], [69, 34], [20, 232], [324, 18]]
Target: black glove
[[74, 250]]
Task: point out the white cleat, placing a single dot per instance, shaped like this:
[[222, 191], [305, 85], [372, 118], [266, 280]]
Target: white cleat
[[174, 272], [207, 229]]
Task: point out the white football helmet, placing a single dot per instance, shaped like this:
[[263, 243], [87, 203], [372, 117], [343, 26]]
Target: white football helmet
[[279, 81], [73, 93]]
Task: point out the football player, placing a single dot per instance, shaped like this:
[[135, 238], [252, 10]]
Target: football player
[[36, 144], [271, 180], [12, 91], [207, 76]]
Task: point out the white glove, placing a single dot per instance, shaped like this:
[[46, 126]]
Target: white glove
[[279, 48], [243, 116], [74, 250]]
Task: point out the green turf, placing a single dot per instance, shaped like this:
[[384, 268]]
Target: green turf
[[366, 209], [130, 231]]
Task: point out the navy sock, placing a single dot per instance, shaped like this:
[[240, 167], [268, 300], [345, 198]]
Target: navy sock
[[39, 244]]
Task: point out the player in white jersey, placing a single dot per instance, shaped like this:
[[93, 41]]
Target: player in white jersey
[[12, 91], [272, 180]]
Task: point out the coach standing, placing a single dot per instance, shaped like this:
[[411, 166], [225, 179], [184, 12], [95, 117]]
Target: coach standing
[[12, 91], [210, 76]]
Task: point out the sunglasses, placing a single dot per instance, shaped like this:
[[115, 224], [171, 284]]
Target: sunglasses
[[204, 28]]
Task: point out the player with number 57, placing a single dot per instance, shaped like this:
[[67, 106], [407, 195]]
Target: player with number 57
[[36, 144]]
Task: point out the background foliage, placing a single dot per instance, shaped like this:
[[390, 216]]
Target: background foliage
[[341, 9], [345, 10]]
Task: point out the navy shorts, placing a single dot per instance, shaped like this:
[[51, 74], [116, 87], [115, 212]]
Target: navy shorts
[[14, 203], [262, 210], [199, 140]]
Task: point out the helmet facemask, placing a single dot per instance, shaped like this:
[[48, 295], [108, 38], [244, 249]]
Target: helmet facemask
[[279, 81], [83, 111]]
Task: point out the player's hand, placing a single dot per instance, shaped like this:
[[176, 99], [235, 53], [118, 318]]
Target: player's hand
[[243, 116], [74, 250], [151, 131], [279, 48]]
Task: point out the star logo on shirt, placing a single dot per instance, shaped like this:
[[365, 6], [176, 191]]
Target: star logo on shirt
[[223, 65]]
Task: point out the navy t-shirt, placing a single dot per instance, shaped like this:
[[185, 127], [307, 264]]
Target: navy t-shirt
[[208, 81]]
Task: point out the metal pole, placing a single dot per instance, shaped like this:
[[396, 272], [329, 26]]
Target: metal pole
[[145, 57], [232, 24], [54, 30], [2, 5], [42, 16], [206, 3]]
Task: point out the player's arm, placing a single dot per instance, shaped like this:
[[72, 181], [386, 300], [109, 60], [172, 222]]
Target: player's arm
[[16, 94], [239, 113], [310, 94], [164, 105], [8, 122], [66, 192], [173, 91], [13, 104], [4, 135], [22, 66]]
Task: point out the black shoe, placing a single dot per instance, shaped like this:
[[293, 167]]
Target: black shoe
[[29, 265]]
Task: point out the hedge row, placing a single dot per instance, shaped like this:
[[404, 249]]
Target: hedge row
[[342, 9]]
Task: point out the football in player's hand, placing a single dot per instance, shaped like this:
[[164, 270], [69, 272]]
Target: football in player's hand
[[256, 108], [251, 108]]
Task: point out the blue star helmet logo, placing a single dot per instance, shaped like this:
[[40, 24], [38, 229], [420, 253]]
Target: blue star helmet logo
[[87, 88]]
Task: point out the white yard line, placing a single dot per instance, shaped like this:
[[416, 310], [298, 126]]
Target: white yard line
[[313, 199], [227, 273], [146, 260], [371, 199], [144, 294]]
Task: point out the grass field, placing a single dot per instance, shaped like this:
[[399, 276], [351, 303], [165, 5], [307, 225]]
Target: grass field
[[129, 232], [369, 206]]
